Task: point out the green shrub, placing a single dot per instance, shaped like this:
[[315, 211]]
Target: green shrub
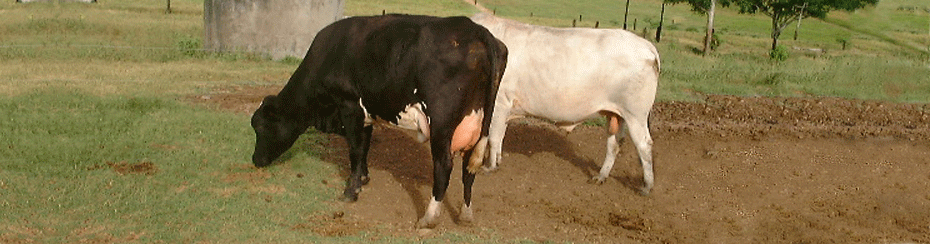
[[190, 46], [843, 41], [715, 41], [779, 54], [291, 60]]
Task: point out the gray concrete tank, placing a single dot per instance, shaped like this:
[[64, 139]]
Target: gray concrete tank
[[278, 28]]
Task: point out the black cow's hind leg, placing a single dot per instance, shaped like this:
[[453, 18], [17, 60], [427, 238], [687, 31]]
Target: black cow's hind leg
[[466, 216], [442, 170]]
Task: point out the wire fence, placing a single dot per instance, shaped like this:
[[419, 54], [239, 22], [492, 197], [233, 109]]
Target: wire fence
[[72, 46], [128, 52]]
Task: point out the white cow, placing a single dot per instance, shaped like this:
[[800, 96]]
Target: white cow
[[568, 75]]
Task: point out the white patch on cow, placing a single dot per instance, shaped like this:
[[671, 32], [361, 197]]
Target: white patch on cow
[[413, 118], [431, 217], [466, 216], [368, 119], [434, 208]]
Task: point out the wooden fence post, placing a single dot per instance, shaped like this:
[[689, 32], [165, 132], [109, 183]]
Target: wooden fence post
[[625, 13], [661, 22]]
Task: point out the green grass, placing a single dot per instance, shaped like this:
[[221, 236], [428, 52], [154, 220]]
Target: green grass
[[83, 86], [58, 186], [123, 47], [423, 7], [688, 77]]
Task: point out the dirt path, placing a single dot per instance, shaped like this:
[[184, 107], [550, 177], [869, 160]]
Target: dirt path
[[478, 6], [729, 170]]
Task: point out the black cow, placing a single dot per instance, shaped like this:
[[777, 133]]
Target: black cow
[[437, 75]]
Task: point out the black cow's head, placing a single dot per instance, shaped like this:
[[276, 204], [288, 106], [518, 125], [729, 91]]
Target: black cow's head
[[274, 132]]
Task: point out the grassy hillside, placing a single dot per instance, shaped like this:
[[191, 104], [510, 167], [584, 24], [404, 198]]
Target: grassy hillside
[[423, 7], [886, 57], [118, 47], [899, 20]]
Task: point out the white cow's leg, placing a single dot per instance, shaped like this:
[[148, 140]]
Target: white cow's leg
[[431, 217], [614, 124], [639, 133], [613, 148], [496, 132]]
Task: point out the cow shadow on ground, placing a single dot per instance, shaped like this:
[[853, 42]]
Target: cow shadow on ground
[[585, 150], [530, 139], [409, 162], [394, 151]]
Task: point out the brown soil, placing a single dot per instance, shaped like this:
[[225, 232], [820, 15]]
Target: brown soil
[[124, 167], [728, 170]]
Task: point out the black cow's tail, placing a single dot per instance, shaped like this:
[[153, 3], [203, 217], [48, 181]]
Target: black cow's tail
[[497, 56]]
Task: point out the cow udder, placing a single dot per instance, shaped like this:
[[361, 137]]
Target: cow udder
[[468, 132]]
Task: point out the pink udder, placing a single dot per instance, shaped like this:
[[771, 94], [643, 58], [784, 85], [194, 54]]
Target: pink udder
[[468, 132]]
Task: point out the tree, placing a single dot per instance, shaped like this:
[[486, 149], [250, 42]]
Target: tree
[[705, 7], [784, 12]]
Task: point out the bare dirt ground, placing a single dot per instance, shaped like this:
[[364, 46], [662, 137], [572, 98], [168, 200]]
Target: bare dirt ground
[[728, 170]]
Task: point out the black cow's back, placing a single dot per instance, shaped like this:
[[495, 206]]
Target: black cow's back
[[383, 61]]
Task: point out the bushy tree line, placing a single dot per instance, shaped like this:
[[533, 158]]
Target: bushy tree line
[[782, 12]]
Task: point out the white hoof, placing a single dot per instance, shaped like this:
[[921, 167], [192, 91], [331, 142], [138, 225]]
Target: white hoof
[[427, 223], [467, 216], [431, 217], [597, 180]]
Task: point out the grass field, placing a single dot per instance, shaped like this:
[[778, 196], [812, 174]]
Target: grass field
[[96, 145], [79, 167]]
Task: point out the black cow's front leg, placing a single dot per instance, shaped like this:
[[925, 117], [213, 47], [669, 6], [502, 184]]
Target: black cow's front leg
[[366, 144], [358, 136]]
